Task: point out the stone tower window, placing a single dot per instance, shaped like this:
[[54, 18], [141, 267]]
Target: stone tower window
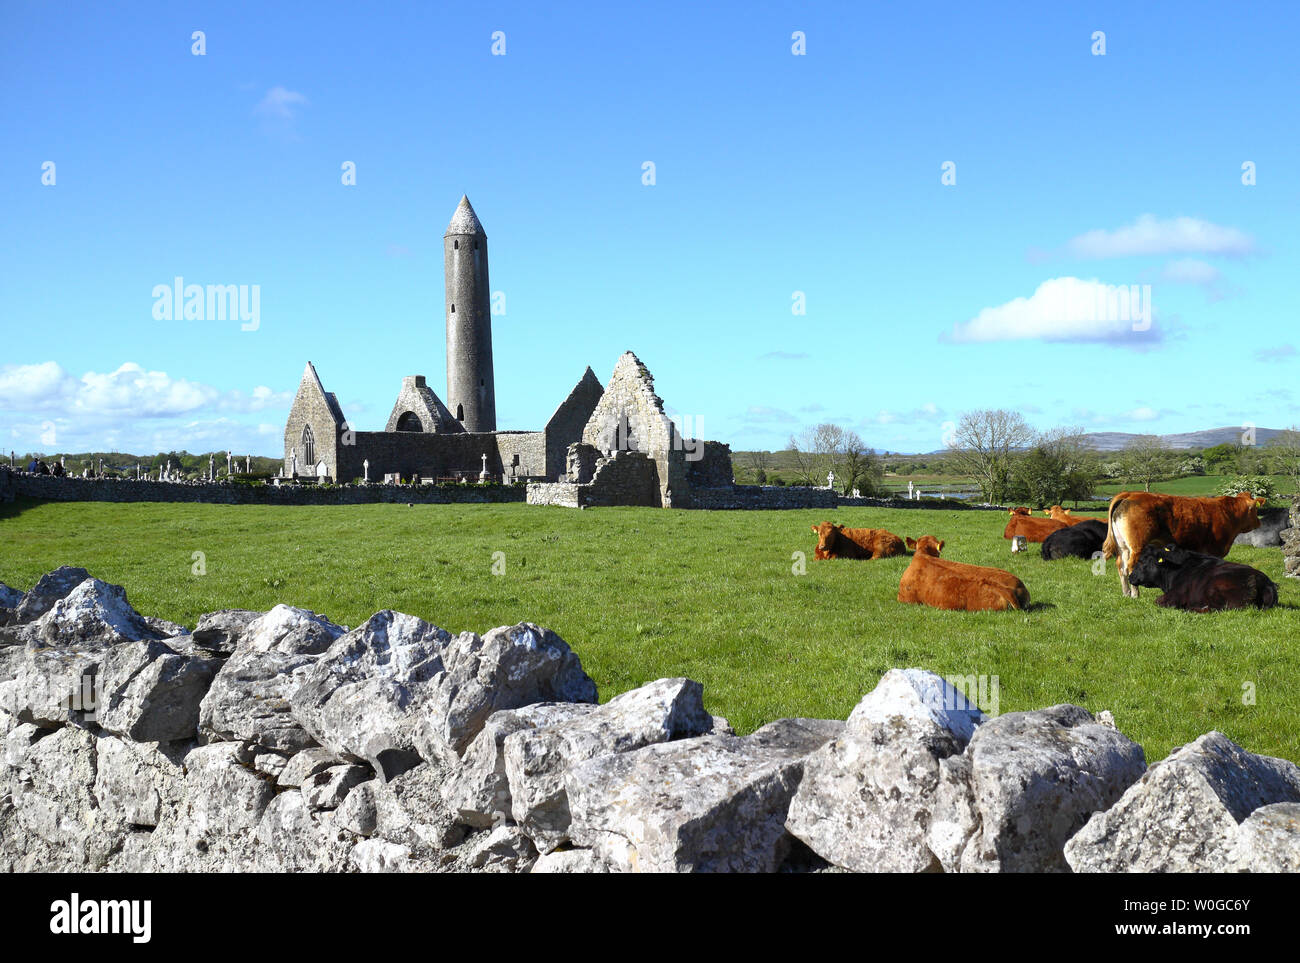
[[308, 445], [455, 245], [453, 309], [460, 412]]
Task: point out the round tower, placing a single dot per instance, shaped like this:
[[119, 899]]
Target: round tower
[[471, 394]]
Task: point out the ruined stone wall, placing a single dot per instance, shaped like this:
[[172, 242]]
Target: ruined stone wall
[[559, 494], [566, 425], [713, 468], [443, 455], [762, 497]]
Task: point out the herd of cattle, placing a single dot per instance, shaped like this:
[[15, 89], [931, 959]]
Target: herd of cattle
[[1172, 542]]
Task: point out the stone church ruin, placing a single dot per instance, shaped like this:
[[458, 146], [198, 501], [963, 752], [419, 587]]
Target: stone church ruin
[[602, 445]]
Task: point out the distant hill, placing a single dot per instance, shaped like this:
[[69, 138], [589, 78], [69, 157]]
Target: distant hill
[[1207, 438]]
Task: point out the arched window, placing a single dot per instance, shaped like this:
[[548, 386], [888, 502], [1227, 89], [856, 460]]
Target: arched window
[[409, 421], [308, 445], [460, 412]]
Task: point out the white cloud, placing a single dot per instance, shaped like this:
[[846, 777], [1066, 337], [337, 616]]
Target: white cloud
[[1141, 414], [1066, 309], [280, 103], [1282, 352], [1150, 235], [1190, 271], [47, 408]]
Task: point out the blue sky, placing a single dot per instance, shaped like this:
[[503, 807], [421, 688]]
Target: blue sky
[[775, 173]]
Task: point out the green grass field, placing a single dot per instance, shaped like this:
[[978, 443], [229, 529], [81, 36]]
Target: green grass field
[[646, 593]]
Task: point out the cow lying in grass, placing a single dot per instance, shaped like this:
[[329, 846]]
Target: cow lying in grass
[[1020, 510], [942, 584], [1201, 583], [1065, 515], [1034, 529], [836, 541], [1081, 540]]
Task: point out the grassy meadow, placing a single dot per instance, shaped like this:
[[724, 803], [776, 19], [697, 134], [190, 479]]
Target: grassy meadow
[[646, 593]]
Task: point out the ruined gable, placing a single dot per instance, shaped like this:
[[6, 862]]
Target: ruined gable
[[629, 415], [418, 409], [312, 430], [566, 425]]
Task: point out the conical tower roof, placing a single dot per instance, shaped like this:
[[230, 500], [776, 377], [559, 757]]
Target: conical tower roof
[[465, 221]]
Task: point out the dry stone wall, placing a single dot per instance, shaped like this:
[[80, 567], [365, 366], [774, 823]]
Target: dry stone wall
[[49, 488], [280, 741]]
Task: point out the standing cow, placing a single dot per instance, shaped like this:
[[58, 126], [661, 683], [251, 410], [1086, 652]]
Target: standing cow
[[1136, 519]]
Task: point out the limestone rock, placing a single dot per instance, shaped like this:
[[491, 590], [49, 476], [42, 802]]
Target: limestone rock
[[379, 856], [507, 668], [477, 791], [137, 783], [1268, 841], [223, 797], [220, 632], [569, 861], [505, 849], [94, 613], [358, 812], [304, 764], [409, 811], [358, 699], [536, 759], [56, 821], [250, 697], [48, 589], [51, 686], [710, 804], [149, 693], [866, 797], [1183, 814], [9, 597], [293, 839], [328, 788], [1029, 781]]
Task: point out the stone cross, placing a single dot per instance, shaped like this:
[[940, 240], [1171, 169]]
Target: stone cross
[[248, 461], [212, 467], [910, 496], [228, 460], [830, 479], [294, 456], [137, 471], [365, 468], [482, 476]]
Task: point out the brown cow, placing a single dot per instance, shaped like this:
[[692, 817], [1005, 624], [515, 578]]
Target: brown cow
[[1207, 525], [1065, 515], [836, 541], [1020, 510], [1034, 529], [942, 584]]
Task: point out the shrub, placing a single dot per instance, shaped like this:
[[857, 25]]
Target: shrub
[[1261, 486]]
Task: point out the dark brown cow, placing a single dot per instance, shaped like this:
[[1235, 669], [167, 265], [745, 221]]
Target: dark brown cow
[[1034, 529], [942, 584], [836, 541], [1020, 510], [1208, 525]]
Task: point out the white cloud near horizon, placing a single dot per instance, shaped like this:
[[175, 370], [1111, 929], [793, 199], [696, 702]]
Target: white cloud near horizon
[[130, 391], [1151, 235], [1066, 309]]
